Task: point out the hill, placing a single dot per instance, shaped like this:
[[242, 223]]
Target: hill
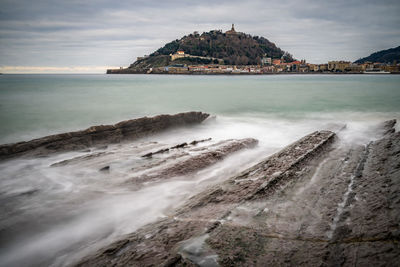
[[384, 56], [229, 48]]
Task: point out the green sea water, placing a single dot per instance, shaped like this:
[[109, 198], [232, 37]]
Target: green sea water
[[35, 105]]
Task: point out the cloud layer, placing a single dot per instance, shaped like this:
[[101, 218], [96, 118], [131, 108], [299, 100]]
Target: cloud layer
[[83, 34]]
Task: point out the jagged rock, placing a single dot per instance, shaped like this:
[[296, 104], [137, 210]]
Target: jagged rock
[[179, 146], [105, 169], [149, 155], [207, 157], [100, 135], [195, 142], [387, 127]]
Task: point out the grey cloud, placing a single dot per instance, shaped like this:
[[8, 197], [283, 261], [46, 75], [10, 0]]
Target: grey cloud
[[100, 32]]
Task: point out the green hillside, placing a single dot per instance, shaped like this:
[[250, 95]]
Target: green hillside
[[383, 56], [234, 48]]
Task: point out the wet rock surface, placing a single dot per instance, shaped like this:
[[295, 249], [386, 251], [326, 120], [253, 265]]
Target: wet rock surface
[[100, 135], [315, 203], [160, 242], [109, 178], [194, 142], [173, 161], [192, 162], [368, 232]]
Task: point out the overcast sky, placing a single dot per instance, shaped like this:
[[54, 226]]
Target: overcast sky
[[91, 35]]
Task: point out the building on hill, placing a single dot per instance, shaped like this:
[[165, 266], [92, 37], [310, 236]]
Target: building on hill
[[181, 54], [266, 60], [178, 54], [276, 62], [231, 31]]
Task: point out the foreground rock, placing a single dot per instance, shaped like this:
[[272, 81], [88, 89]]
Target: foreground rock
[[103, 134], [168, 241], [163, 163], [368, 230], [315, 203], [107, 193], [205, 157]]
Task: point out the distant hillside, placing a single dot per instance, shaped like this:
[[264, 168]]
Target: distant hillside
[[384, 56], [234, 48]]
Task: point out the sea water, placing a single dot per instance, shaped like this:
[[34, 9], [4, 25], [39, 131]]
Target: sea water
[[55, 216], [37, 105]]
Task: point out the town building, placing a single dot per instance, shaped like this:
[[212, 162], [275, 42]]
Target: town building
[[394, 68], [338, 66], [323, 67], [313, 67], [276, 62], [177, 68], [353, 67], [266, 61]]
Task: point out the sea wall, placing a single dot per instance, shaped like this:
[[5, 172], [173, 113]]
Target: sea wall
[[102, 134]]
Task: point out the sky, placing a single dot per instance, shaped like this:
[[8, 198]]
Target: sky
[[89, 36]]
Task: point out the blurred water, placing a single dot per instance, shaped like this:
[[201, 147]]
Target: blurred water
[[56, 215], [36, 105]]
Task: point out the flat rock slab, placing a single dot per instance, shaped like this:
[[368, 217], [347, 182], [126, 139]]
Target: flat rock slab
[[191, 163], [311, 204], [177, 161], [100, 135], [343, 210], [167, 241]]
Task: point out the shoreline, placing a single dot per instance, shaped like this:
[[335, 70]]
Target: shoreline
[[257, 74], [208, 74], [315, 185]]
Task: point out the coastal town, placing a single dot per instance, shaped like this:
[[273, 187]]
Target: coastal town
[[267, 66]]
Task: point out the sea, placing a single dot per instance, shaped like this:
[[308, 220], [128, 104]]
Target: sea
[[32, 106], [55, 216]]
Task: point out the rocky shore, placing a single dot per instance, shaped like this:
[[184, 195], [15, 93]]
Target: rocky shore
[[100, 135], [317, 202], [163, 163], [320, 201], [204, 157]]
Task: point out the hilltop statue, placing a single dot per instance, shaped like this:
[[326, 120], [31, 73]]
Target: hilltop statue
[[232, 30]]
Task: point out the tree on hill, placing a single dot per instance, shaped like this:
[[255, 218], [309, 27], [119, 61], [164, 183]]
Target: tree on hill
[[384, 56], [234, 49]]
